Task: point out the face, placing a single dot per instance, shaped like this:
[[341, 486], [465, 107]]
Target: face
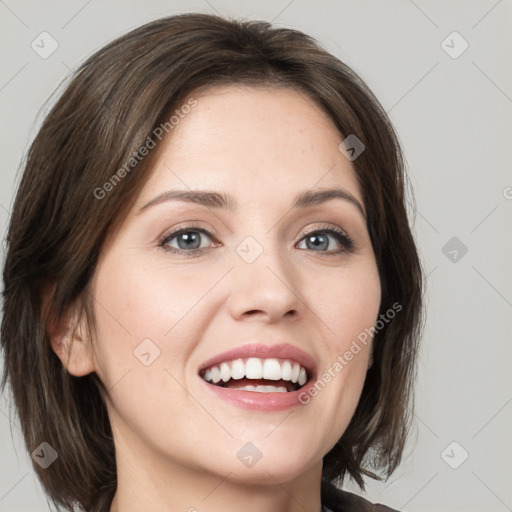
[[185, 288]]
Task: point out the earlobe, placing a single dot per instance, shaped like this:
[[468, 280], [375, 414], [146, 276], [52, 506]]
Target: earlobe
[[370, 359], [74, 349], [70, 341]]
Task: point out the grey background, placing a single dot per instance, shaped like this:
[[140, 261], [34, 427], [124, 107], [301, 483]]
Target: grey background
[[454, 118]]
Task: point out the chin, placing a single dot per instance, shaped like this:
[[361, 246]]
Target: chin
[[266, 463]]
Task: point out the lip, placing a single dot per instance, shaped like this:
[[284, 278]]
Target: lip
[[255, 400]]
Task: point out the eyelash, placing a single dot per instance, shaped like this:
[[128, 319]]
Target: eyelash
[[345, 241]]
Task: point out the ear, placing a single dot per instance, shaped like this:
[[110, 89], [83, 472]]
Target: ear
[[69, 338], [370, 356], [370, 359]]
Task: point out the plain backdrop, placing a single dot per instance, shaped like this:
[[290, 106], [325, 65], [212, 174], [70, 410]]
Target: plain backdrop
[[443, 72]]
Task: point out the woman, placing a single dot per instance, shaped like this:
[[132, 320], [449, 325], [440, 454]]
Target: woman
[[212, 295]]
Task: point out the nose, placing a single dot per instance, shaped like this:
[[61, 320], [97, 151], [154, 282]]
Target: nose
[[266, 289]]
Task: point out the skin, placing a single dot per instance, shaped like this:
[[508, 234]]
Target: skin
[[176, 445]]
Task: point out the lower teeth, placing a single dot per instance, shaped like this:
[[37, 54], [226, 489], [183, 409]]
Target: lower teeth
[[264, 389]]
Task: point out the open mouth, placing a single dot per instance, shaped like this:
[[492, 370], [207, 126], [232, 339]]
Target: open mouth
[[260, 375]]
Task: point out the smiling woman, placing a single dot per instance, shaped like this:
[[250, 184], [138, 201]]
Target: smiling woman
[[236, 319]]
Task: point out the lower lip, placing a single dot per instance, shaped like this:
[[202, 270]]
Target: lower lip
[[253, 400]]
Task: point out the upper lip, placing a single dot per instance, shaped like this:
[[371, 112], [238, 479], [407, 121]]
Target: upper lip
[[278, 351]]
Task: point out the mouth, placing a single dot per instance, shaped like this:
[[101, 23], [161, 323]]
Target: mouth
[[259, 375]]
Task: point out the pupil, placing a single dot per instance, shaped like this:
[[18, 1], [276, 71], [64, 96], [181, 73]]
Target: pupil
[[318, 242], [188, 239]]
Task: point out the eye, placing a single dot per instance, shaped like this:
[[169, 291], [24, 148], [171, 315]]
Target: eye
[[319, 240], [188, 240]]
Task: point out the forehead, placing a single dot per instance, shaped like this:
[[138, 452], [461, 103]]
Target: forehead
[[253, 142]]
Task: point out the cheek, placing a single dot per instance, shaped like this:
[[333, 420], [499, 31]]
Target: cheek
[[131, 307], [144, 299], [348, 305], [145, 333]]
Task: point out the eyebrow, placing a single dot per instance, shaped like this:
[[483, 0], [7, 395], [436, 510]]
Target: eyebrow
[[212, 199]]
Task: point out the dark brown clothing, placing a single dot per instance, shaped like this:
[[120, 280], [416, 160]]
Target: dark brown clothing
[[336, 500]]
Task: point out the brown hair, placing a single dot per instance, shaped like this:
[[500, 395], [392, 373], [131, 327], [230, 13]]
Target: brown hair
[[59, 225]]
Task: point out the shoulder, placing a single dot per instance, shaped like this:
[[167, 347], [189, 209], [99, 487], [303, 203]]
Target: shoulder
[[338, 500]]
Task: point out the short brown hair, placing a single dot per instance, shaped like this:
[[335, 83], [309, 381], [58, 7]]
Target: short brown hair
[[115, 101]]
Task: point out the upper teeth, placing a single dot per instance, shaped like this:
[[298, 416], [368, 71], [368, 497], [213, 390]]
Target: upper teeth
[[256, 368]]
